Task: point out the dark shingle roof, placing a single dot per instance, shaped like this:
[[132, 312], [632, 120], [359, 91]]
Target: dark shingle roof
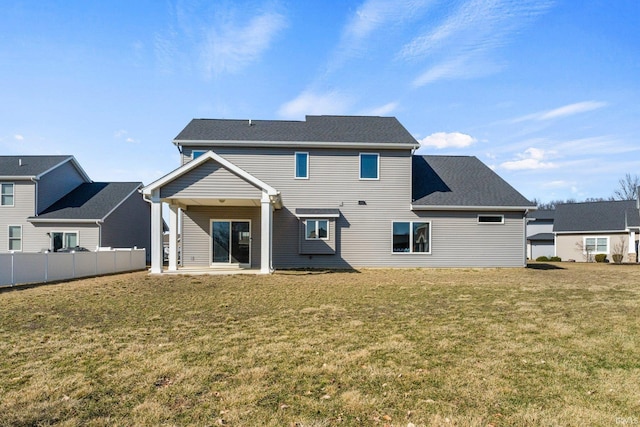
[[89, 201], [459, 181], [541, 237], [28, 166], [596, 216], [363, 129], [542, 214]]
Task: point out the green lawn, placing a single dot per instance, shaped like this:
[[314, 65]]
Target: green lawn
[[428, 347]]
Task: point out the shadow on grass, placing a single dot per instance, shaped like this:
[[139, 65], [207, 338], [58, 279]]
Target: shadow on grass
[[305, 271], [543, 266]]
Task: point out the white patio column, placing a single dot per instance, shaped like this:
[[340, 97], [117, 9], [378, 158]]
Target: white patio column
[[156, 232], [173, 238], [265, 235]]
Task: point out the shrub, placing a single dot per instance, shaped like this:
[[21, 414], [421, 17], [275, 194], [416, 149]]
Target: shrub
[[542, 258], [555, 258], [601, 257]]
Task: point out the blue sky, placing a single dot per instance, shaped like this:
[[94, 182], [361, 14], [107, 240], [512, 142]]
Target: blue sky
[[545, 92]]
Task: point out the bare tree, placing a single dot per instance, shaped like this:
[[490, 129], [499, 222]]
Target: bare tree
[[628, 189]]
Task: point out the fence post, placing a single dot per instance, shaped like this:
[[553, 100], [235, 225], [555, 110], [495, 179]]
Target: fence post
[[13, 273], [46, 267]]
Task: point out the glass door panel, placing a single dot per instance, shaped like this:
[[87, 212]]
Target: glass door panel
[[240, 242], [220, 234]]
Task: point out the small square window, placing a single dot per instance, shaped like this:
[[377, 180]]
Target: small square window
[[197, 153], [6, 194], [302, 165], [316, 229], [369, 165]]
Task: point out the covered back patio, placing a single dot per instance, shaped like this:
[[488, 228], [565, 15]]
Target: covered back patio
[[223, 213]]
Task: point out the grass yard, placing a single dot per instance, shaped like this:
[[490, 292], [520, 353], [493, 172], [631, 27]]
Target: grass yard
[[432, 347]]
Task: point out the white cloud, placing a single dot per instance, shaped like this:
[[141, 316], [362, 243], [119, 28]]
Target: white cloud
[[313, 103], [123, 135], [532, 158], [564, 111], [231, 47], [383, 110], [447, 140], [465, 38], [18, 137]]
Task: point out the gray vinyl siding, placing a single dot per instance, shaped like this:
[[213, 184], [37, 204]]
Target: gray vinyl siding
[[196, 229], [56, 184], [363, 232], [23, 207], [129, 225], [210, 178]]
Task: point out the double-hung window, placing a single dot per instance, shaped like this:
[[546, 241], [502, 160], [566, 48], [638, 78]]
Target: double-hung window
[[302, 165], [596, 245], [15, 238], [6, 194], [316, 229], [412, 237], [369, 166]]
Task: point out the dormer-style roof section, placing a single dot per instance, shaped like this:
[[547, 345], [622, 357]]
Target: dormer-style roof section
[[34, 167], [89, 202], [461, 182], [318, 131], [617, 215]]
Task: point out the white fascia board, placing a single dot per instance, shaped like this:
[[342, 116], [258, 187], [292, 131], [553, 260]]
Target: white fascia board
[[591, 232], [318, 215], [71, 159], [66, 220], [471, 208], [17, 178], [298, 144], [209, 155]]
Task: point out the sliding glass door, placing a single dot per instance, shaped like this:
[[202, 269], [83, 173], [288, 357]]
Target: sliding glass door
[[231, 242]]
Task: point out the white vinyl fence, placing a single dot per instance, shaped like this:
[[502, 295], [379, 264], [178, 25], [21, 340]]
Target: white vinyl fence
[[17, 268]]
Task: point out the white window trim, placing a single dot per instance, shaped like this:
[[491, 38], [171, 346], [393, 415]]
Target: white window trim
[[411, 252], [9, 238], [64, 233], [317, 229], [13, 194], [377, 178], [584, 244], [490, 222], [295, 165]]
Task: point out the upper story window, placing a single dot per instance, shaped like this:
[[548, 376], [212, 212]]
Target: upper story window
[[302, 165], [15, 238], [369, 165], [197, 153], [316, 229], [6, 194]]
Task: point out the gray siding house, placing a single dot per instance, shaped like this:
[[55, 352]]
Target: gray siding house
[[540, 237], [48, 203], [330, 192], [583, 230]]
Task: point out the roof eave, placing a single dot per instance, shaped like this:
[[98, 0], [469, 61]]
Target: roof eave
[[293, 144], [58, 220], [471, 208]]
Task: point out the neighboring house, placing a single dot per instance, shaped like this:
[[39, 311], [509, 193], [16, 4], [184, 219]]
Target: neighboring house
[[540, 238], [330, 192], [49, 203], [583, 230]]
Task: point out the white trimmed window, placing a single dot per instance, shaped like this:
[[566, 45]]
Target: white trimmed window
[[490, 219], [15, 238], [315, 229], [596, 245], [7, 194], [411, 237], [197, 153], [369, 166], [302, 165], [64, 239]]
